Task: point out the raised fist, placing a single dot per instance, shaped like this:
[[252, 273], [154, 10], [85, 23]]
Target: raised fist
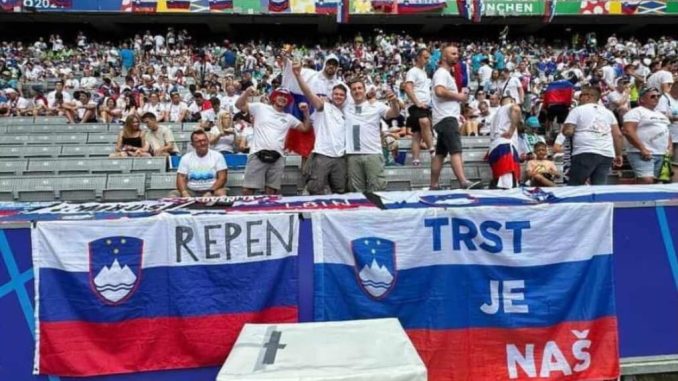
[[296, 68]]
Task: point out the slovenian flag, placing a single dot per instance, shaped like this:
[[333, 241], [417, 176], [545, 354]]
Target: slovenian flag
[[178, 4], [144, 6], [558, 93], [166, 292], [220, 5], [479, 293], [278, 5], [326, 7]]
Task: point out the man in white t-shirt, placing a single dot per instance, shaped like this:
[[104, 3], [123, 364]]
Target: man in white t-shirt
[[202, 172], [484, 73], [447, 100], [609, 74], [647, 136], [662, 79], [265, 165], [84, 107], [16, 104], [596, 140], [619, 99], [363, 138], [326, 166], [88, 82], [503, 151], [59, 88], [511, 86], [228, 100], [418, 90], [176, 109]]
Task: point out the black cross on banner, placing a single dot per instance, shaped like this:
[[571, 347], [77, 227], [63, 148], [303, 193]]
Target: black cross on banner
[[272, 347]]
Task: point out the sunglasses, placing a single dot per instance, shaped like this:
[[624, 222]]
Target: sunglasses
[[654, 96]]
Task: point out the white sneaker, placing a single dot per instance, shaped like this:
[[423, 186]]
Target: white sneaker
[[471, 184]]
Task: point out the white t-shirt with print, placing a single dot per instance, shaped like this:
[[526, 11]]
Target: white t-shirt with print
[[270, 127], [201, 172], [443, 108], [593, 129], [330, 133], [653, 130], [363, 127], [176, 110]]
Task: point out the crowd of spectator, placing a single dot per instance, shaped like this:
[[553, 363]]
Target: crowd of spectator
[[598, 104]]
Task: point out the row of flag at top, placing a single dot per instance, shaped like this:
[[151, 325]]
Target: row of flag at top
[[472, 10]]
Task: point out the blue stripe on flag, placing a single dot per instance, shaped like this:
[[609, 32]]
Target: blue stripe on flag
[[194, 291], [449, 297]]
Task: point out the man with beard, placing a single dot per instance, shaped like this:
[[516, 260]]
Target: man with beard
[[321, 83], [264, 168]]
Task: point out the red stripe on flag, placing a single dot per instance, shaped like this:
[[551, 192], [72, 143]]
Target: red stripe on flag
[[482, 354], [86, 349]]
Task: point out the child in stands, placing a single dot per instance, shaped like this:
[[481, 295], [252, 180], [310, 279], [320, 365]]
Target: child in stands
[[541, 171]]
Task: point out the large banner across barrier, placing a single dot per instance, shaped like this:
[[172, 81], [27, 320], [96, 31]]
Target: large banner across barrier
[[644, 265], [484, 294]]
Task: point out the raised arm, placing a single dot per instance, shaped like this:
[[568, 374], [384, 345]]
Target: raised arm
[[242, 102], [394, 110], [313, 99], [306, 124]]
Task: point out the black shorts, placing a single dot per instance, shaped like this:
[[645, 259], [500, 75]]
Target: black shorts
[[558, 112], [414, 114], [449, 139]]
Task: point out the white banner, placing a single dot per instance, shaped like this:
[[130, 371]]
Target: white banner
[[503, 236], [169, 240]]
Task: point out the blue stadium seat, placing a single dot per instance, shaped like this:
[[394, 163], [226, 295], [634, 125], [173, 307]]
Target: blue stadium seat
[[235, 161]]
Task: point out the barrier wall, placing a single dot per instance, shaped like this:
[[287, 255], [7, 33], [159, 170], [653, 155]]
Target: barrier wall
[[465, 8], [645, 265]]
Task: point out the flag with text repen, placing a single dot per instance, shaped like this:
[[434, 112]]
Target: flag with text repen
[[155, 293], [520, 293]]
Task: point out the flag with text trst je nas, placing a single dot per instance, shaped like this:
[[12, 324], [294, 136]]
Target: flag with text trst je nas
[[521, 293]]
